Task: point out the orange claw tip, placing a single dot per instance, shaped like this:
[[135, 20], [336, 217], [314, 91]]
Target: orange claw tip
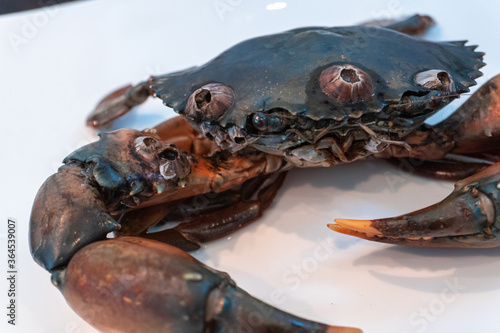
[[364, 226], [341, 329], [338, 228]]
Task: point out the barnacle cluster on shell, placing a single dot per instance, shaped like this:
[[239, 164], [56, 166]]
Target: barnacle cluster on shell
[[346, 83], [232, 139], [172, 163]]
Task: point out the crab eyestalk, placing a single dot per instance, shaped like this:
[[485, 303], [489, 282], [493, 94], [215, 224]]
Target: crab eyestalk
[[468, 217]]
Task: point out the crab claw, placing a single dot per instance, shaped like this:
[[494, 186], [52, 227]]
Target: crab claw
[[468, 217], [131, 284], [77, 217]]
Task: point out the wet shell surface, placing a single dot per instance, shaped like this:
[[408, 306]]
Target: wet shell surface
[[283, 71]]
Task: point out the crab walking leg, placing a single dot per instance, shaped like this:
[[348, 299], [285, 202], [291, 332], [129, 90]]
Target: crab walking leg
[[204, 208], [118, 103], [445, 168], [468, 217], [253, 189], [132, 284], [179, 132], [413, 25], [175, 126], [215, 222]]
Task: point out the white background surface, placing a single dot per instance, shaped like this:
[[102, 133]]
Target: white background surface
[[77, 53]]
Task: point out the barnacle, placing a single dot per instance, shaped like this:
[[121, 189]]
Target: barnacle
[[346, 83], [209, 102], [147, 146], [173, 165], [435, 79]]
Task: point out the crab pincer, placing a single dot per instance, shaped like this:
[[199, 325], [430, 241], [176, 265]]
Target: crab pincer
[[138, 285], [467, 218]]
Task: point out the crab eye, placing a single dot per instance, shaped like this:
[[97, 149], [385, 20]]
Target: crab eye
[[435, 79], [209, 102], [267, 123], [260, 121], [346, 84]]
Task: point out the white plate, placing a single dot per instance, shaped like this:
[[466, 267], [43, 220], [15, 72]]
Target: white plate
[[56, 63]]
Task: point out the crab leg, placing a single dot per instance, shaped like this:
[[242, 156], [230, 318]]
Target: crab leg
[[413, 25], [118, 103], [136, 285], [175, 127], [203, 224], [445, 168], [179, 132], [468, 217]]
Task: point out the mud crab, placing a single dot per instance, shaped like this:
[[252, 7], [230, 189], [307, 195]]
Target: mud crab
[[302, 98]]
